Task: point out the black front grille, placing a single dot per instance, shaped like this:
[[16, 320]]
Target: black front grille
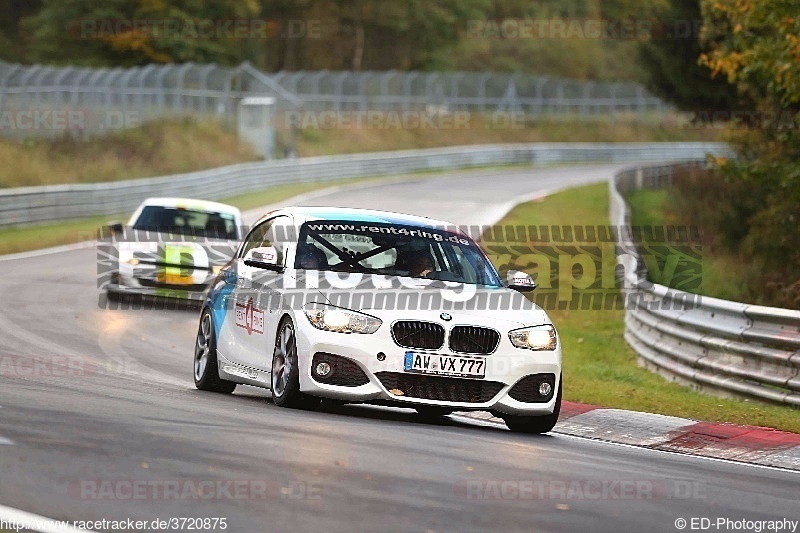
[[440, 388], [527, 389], [416, 334], [344, 372], [473, 339]]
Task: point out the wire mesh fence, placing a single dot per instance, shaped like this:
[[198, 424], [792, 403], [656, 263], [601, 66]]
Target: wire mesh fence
[[38, 100], [471, 91]]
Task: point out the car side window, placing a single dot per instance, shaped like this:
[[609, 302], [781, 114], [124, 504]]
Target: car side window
[[255, 237], [278, 235], [274, 232]]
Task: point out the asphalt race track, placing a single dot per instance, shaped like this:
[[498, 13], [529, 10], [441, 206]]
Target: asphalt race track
[[99, 419]]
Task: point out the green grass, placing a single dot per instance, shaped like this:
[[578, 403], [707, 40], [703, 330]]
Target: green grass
[[177, 145], [157, 148], [724, 275], [599, 367]]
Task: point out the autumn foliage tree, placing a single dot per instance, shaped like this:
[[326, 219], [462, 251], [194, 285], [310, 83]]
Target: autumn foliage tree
[[755, 45]]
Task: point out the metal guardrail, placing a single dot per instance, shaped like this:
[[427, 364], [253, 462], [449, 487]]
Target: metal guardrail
[[723, 347], [29, 205]]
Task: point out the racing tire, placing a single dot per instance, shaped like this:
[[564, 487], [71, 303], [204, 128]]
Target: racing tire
[[285, 376], [206, 369], [113, 296], [535, 424], [433, 412]]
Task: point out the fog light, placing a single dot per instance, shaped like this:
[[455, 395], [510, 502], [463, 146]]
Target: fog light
[[323, 369], [544, 389]]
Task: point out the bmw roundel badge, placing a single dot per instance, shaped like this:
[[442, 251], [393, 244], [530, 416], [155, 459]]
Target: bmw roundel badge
[[446, 317]]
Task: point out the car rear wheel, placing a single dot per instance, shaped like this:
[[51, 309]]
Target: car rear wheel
[[286, 371], [206, 370], [535, 424]]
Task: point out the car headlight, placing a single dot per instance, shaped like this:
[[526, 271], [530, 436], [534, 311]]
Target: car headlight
[[534, 338], [342, 320]]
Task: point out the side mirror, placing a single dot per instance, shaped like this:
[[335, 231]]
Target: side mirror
[[520, 281], [265, 257], [111, 230]]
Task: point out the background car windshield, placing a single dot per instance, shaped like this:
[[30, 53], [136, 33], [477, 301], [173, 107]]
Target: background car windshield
[[393, 249], [186, 222]]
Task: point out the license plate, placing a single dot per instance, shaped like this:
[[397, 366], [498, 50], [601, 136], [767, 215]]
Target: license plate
[[445, 365]]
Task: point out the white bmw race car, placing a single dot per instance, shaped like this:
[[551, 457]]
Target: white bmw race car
[[171, 247], [375, 307]]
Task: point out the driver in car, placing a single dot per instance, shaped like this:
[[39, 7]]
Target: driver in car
[[420, 265], [310, 258]]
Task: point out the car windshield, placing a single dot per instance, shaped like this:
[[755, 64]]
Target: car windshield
[[394, 250], [187, 222]]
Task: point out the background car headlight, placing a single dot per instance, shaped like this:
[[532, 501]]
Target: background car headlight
[[534, 338], [342, 320]]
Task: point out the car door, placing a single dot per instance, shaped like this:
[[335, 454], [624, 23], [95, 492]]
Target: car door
[[256, 298]]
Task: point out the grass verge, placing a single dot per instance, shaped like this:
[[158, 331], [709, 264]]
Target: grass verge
[[483, 129], [157, 148], [724, 275], [179, 145], [599, 367]]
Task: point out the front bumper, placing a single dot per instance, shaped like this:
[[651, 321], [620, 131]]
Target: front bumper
[[156, 282], [504, 368]]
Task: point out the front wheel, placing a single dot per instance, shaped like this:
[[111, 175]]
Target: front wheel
[[535, 424], [286, 371], [206, 370]]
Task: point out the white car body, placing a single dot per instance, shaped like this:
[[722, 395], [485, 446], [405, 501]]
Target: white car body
[[249, 304]]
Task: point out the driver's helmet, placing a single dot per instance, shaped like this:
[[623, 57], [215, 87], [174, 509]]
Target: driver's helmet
[[310, 257]]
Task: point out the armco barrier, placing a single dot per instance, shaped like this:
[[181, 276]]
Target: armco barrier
[[723, 347], [30, 205]]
